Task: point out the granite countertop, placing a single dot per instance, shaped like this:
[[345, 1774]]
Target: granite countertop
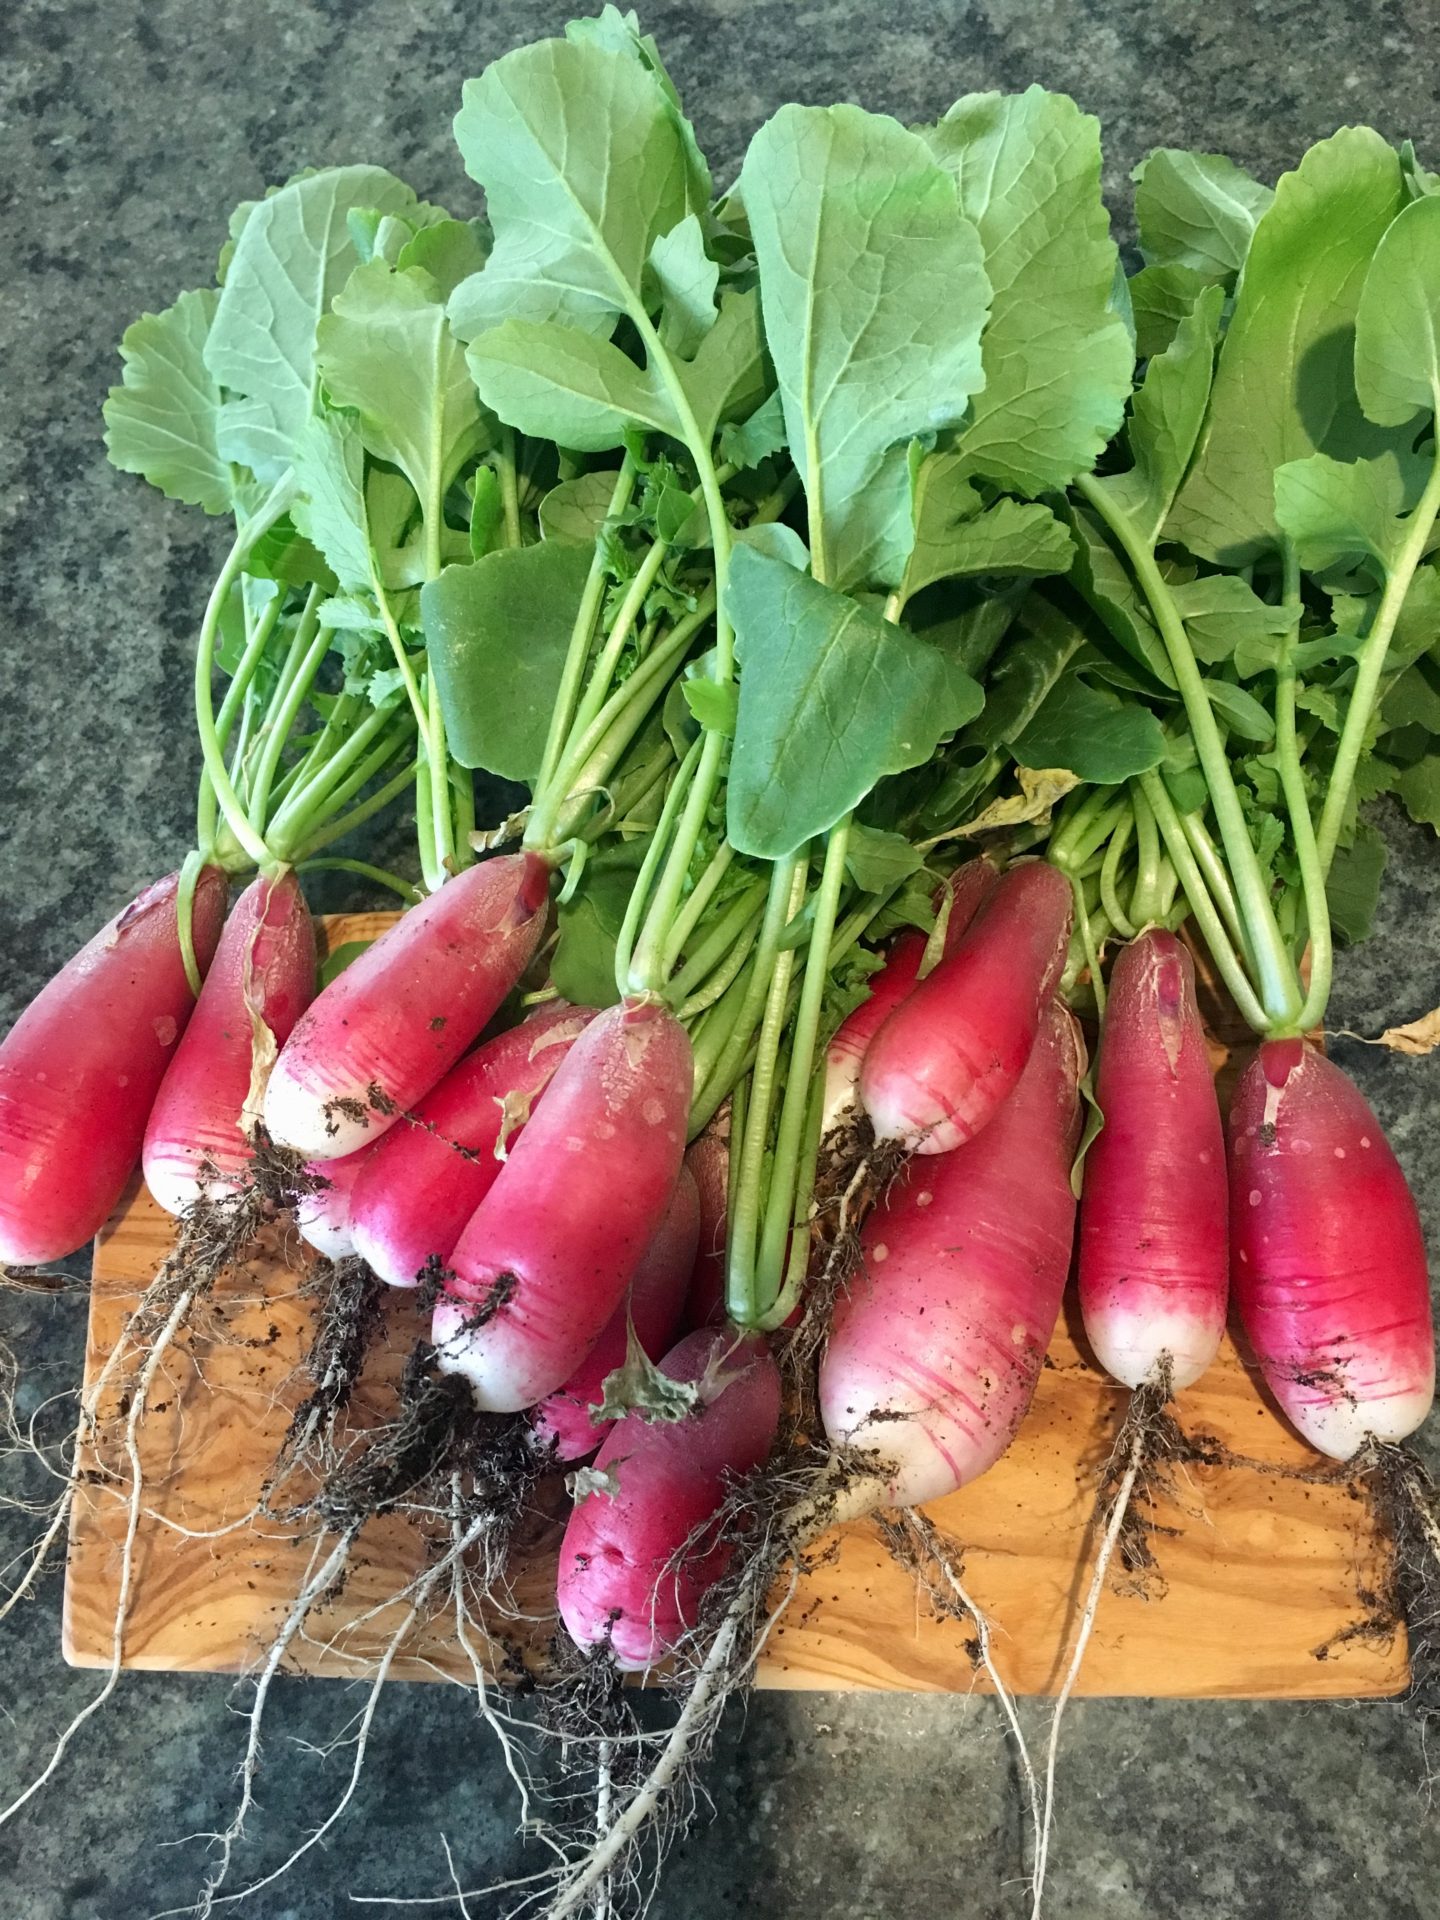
[[129, 130]]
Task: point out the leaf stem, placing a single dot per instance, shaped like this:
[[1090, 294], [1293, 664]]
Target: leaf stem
[[382, 876], [1279, 987], [1370, 666], [645, 879], [217, 787], [1226, 959], [1292, 781], [509, 479]]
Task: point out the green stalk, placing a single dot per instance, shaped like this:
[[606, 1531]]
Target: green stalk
[[381, 876], [654, 854], [1147, 844], [742, 1272], [578, 651], [701, 894], [723, 977], [505, 471], [1278, 983], [216, 788], [337, 828], [1292, 781], [1371, 663], [1208, 858], [1226, 959], [256, 643], [306, 807], [1110, 877], [1087, 943], [781, 1198], [282, 717], [797, 1265]]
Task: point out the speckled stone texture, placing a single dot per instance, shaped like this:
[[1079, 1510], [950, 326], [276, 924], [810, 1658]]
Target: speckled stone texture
[[129, 130]]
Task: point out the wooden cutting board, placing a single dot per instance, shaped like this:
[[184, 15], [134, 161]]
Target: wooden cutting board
[[1260, 1573]]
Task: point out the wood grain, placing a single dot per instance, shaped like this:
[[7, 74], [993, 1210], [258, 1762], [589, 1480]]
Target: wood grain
[[1261, 1571]]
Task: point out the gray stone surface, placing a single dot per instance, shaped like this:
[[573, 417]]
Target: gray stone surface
[[129, 129]]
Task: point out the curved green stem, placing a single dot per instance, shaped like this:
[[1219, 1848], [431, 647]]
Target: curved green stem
[[1278, 983], [1110, 876], [645, 879], [278, 723], [336, 829], [1292, 781], [382, 876], [1226, 959], [721, 978], [217, 788], [1087, 943], [1371, 664], [1217, 880]]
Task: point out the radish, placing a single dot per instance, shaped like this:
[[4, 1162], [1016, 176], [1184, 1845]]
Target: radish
[[709, 1162], [422, 1180], [947, 1056], [398, 1018], [934, 1353], [548, 1253], [967, 888], [261, 980], [80, 1069], [322, 1216], [1330, 1275], [1153, 1255], [622, 1581], [652, 1306]]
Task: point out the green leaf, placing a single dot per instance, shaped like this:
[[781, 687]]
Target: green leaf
[[1353, 885], [1090, 732], [497, 632], [1197, 210], [487, 511], [160, 422], [1414, 698], [1284, 384], [1166, 418], [338, 958], [1259, 652], [293, 256], [878, 861], [1341, 513], [449, 251], [329, 463], [1057, 358], [582, 966], [1023, 675], [713, 707], [385, 350], [778, 540], [874, 296], [957, 536], [1220, 612], [1419, 789], [1397, 328], [1240, 711], [1160, 299], [751, 441], [575, 511], [831, 699], [1104, 580], [557, 383], [585, 165], [687, 278]]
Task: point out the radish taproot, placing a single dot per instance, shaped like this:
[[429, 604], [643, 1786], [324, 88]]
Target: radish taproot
[[549, 1252], [947, 1056], [960, 899], [199, 1136], [384, 1031], [635, 1564], [80, 1069], [423, 1179], [1154, 1261], [652, 1306], [1329, 1260], [934, 1352]]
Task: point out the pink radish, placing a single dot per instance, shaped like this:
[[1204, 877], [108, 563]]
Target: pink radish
[[967, 888], [622, 1581], [709, 1162], [1329, 1261], [1154, 1261], [261, 980], [80, 1069], [949, 1054], [398, 1018], [548, 1253], [424, 1178], [652, 1305], [322, 1218], [934, 1353]]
